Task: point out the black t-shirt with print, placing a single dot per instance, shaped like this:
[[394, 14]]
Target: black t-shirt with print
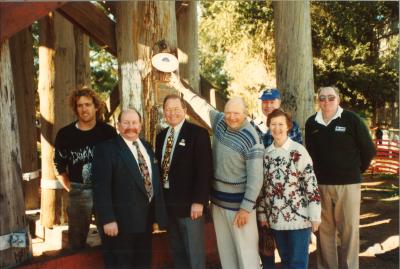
[[74, 150]]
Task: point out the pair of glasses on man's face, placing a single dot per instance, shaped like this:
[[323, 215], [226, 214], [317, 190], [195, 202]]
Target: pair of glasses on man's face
[[323, 98]]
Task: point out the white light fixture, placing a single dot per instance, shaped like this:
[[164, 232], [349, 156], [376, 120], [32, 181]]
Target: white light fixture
[[165, 62]]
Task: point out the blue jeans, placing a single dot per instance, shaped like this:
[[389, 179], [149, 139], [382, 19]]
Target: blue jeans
[[293, 247]]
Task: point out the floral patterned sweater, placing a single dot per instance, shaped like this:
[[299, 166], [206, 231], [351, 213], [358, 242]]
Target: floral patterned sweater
[[289, 198]]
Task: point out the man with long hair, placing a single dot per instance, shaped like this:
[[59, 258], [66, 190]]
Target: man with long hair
[[73, 160]]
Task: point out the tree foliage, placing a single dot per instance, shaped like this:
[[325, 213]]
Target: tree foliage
[[104, 69], [236, 47], [355, 47]]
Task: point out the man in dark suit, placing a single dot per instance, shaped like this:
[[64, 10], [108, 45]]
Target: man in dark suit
[[184, 151], [127, 195]]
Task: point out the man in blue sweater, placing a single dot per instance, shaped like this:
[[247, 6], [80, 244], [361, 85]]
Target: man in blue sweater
[[238, 171], [341, 148]]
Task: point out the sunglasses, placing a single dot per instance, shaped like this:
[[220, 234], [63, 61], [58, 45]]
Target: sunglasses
[[323, 98]]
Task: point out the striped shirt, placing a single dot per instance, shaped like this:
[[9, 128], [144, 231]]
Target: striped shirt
[[238, 164]]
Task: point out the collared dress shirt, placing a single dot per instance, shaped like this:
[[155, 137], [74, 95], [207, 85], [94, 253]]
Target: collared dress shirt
[[177, 130], [142, 150]]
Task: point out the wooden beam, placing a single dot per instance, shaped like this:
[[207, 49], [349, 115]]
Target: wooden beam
[[16, 16], [112, 103], [110, 6], [93, 22]]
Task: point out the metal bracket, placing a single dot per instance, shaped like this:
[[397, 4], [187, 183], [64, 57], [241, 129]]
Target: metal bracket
[[52, 184], [28, 176], [13, 240]]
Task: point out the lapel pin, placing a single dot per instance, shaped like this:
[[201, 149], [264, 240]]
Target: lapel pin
[[182, 142]]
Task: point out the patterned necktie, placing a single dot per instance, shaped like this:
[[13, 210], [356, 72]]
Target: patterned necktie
[[167, 156], [145, 172]]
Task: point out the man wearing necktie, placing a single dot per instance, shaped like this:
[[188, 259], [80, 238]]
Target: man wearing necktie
[[127, 195], [184, 151]]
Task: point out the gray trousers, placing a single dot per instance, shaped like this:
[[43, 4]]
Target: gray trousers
[[186, 237], [79, 215]]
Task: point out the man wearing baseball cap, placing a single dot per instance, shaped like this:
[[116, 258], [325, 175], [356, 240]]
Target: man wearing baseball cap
[[271, 100]]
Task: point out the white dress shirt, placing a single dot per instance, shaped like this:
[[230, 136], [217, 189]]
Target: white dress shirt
[[320, 119], [142, 150], [177, 130]]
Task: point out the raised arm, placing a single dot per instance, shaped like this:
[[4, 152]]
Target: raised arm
[[200, 106]]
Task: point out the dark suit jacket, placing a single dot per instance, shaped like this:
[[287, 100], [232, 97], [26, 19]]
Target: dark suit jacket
[[118, 188], [191, 168]]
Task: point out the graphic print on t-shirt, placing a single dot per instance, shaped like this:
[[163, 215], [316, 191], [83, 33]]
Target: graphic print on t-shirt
[[83, 157]]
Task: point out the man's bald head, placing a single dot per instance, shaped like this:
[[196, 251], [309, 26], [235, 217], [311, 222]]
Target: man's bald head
[[235, 112]]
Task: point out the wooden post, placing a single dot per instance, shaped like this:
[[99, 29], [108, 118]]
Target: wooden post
[[12, 216], [140, 25], [188, 52], [293, 50], [22, 66], [130, 81], [82, 59], [56, 80]]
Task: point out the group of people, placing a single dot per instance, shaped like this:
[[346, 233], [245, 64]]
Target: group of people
[[256, 175]]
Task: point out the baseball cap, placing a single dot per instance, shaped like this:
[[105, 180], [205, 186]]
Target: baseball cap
[[270, 94]]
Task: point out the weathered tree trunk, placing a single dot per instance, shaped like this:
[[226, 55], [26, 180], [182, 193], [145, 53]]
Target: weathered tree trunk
[[56, 80], [12, 216], [188, 52], [130, 81], [22, 67], [82, 58], [293, 49], [140, 25]]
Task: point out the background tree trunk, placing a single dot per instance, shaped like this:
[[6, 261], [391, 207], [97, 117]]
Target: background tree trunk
[[22, 66], [140, 25], [188, 52], [293, 50], [56, 80], [12, 216]]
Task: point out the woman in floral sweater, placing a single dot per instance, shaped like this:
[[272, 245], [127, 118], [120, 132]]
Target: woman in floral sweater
[[289, 202]]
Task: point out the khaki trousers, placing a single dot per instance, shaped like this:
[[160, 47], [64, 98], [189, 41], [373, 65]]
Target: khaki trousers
[[340, 218]]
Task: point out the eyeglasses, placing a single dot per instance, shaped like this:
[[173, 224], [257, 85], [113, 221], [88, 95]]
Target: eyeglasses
[[323, 98], [173, 110]]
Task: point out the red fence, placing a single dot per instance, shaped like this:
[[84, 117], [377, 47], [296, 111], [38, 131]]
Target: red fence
[[387, 157]]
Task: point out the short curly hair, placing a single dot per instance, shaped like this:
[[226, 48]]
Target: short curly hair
[[277, 113], [87, 92]]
